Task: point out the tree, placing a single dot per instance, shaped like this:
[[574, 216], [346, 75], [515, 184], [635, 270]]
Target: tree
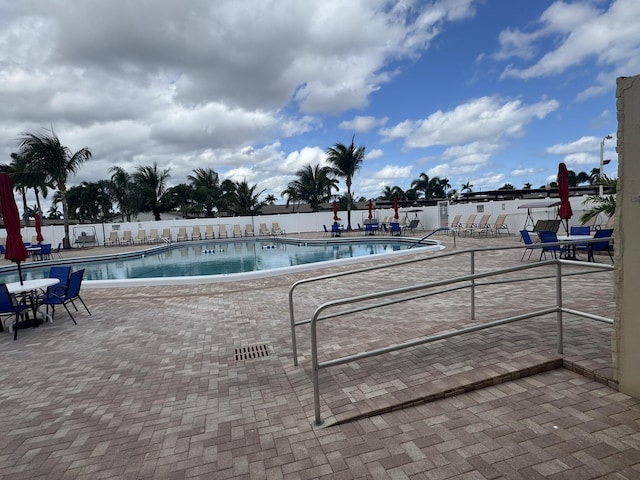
[[246, 199], [314, 185], [181, 197], [345, 162], [527, 186], [602, 204], [23, 178], [270, 199], [431, 187], [466, 187], [507, 186], [291, 193], [206, 183], [152, 185], [47, 155], [123, 192]]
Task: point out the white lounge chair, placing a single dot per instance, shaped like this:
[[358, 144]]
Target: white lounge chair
[[182, 234], [236, 231], [195, 233], [222, 231], [208, 233], [248, 230]]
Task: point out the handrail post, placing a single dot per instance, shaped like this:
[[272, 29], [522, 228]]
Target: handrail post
[[294, 345], [473, 286], [559, 305], [314, 366]]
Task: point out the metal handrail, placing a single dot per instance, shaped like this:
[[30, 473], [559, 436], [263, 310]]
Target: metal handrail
[[558, 309], [471, 252]]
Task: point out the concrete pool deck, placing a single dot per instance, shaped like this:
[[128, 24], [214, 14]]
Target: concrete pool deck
[[150, 385]]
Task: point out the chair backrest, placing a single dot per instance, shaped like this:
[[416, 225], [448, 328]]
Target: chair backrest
[[483, 221], [395, 226], [6, 300], [166, 233], [248, 229], [580, 230], [236, 229], [470, 221], [153, 233], [455, 222], [603, 233], [196, 231], [126, 235], [335, 227], [548, 237], [500, 220], [325, 228], [526, 238], [182, 231], [113, 236], [59, 247], [209, 230], [45, 249], [62, 273], [75, 280], [141, 234]]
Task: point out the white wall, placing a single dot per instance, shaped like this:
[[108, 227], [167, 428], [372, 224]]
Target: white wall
[[313, 222]]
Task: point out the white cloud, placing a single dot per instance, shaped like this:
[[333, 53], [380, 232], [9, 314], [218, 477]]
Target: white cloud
[[482, 119], [362, 124], [523, 172], [373, 154]]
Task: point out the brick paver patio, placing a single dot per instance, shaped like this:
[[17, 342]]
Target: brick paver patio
[[150, 387]]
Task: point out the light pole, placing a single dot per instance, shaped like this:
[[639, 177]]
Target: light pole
[[603, 162]]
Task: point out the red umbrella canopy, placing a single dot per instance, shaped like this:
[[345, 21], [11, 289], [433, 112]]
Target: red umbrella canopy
[[14, 248], [370, 208], [565, 212], [39, 236], [335, 211], [395, 208]]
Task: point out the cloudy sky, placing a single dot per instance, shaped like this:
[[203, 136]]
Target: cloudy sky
[[481, 91]]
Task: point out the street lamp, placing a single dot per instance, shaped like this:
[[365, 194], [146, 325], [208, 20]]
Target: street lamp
[[603, 162]]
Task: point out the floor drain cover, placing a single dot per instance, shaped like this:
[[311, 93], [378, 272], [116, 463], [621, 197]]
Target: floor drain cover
[[252, 351]]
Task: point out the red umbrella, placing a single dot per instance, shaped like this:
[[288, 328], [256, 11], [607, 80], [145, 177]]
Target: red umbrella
[[14, 248], [335, 211], [395, 208], [39, 236], [565, 212], [370, 208]]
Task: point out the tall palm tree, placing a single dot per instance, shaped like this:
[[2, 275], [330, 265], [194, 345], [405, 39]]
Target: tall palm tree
[[431, 187], [47, 155], [152, 184], [466, 187], [346, 161], [291, 192], [182, 197], [23, 178], [206, 183]]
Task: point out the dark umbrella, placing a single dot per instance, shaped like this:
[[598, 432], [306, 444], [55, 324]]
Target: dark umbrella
[[14, 248], [370, 208], [39, 236], [395, 208], [565, 212], [335, 211]]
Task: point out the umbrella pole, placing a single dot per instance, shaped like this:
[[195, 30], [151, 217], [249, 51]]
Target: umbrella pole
[[20, 273]]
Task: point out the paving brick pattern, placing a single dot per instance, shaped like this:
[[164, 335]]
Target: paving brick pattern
[[149, 387]]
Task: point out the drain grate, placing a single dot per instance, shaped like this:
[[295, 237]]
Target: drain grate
[[250, 352]]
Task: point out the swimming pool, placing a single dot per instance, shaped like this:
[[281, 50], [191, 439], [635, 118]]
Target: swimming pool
[[221, 260]]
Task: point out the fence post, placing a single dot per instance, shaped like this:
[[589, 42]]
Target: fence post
[[559, 305], [473, 286]]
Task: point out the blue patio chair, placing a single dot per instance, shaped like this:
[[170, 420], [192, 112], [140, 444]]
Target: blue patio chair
[[57, 250], [580, 230], [62, 273], [11, 307], [45, 251], [602, 246], [326, 231], [62, 296], [2, 250], [526, 238], [395, 228], [550, 237], [335, 230]]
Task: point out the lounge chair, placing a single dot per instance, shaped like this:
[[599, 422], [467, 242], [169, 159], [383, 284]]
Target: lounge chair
[[455, 224], [182, 234], [413, 224], [263, 229], [276, 230], [236, 231], [248, 230], [469, 225], [482, 227], [195, 233], [141, 238], [114, 239], [166, 235], [12, 308], [222, 231], [153, 236], [63, 296], [208, 233], [499, 225], [127, 238]]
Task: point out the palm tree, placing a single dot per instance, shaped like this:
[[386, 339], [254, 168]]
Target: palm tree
[[122, 191], [345, 162], [431, 187], [291, 192], [181, 197], [47, 155], [206, 183], [246, 199], [152, 185], [602, 204], [466, 187], [314, 185], [23, 178], [270, 199], [527, 186]]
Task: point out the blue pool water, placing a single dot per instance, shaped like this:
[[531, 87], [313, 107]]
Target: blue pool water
[[219, 258]]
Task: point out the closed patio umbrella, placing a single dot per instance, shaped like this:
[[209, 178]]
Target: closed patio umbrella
[[14, 248], [370, 208], [335, 211], [565, 212], [395, 208], [39, 236]]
